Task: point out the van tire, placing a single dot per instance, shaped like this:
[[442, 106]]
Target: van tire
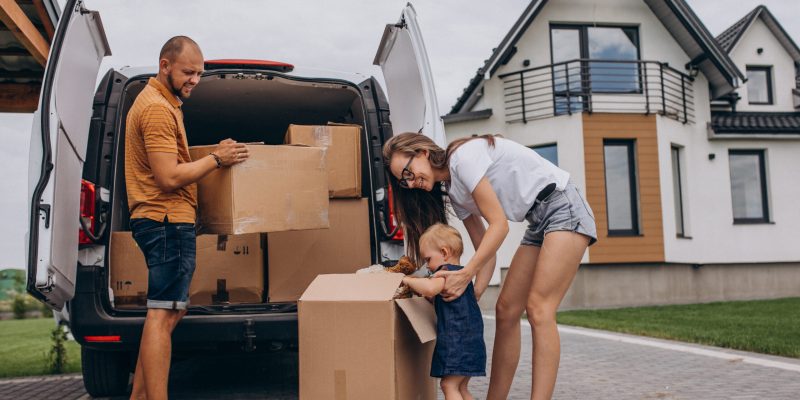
[[105, 373]]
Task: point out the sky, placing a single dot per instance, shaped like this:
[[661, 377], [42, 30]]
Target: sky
[[343, 35]]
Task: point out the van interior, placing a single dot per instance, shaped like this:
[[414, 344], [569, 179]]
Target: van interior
[[246, 108]]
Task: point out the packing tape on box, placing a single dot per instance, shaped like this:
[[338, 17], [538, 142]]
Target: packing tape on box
[[322, 136]]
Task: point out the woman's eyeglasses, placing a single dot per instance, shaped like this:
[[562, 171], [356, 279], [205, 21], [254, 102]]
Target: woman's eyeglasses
[[406, 175]]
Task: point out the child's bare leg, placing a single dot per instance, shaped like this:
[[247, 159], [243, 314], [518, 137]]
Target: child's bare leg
[[462, 388], [450, 385]]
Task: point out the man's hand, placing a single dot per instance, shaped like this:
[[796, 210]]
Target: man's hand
[[230, 152], [455, 283]]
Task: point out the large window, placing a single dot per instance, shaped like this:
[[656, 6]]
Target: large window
[[616, 46], [621, 189], [759, 85], [677, 190], [748, 186], [548, 151]]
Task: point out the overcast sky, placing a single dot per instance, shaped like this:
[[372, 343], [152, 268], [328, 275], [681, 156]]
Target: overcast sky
[[341, 35]]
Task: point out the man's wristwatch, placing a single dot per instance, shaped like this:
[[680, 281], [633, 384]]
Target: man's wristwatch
[[216, 158]]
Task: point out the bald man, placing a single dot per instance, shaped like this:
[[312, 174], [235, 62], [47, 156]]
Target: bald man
[[160, 178]]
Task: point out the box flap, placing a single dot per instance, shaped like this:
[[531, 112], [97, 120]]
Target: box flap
[[352, 287], [421, 315]]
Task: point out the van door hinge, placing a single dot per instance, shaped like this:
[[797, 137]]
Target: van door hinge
[[47, 287], [45, 208]]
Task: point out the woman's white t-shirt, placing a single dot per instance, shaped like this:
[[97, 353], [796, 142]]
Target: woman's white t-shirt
[[517, 175]]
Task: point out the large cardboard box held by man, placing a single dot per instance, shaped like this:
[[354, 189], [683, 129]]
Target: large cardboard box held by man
[[357, 343], [296, 258], [229, 269], [278, 188], [342, 144]]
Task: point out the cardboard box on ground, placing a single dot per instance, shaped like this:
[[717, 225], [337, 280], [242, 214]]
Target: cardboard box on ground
[[356, 342], [278, 188], [342, 144], [294, 259], [228, 269]]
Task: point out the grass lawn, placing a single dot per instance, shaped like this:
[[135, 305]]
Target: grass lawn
[[25, 344], [766, 326]]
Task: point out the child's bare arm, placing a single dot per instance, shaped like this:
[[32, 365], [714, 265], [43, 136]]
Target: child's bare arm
[[427, 287]]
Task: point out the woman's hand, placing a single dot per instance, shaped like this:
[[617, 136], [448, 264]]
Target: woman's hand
[[455, 283]]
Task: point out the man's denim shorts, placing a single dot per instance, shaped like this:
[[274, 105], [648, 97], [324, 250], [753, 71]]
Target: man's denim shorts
[[562, 210], [169, 249]]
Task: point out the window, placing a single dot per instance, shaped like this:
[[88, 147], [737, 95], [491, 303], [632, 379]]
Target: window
[[607, 43], [759, 85], [748, 186], [548, 151], [621, 188], [677, 191]]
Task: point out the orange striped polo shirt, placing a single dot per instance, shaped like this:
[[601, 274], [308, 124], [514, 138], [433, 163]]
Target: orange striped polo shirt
[[155, 124]]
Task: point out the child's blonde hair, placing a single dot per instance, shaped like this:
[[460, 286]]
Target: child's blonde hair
[[440, 235]]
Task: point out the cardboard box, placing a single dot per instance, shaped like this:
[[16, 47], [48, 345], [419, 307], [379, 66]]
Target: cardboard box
[[279, 188], [228, 269], [296, 258], [343, 154], [356, 342]]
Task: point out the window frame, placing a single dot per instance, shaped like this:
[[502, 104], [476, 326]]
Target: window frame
[[539, 146], [634, 188], [762, 166], [583, 39], [768, 70], [677, 152]]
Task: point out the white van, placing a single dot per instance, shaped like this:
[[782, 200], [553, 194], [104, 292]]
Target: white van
[[76, 183]]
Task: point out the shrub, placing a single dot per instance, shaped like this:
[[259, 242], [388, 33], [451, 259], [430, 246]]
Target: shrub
[[57, 358]]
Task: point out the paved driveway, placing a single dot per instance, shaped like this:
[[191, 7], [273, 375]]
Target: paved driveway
[[594, 365]]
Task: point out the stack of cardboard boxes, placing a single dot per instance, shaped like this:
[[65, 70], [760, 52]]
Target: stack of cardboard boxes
[[269, 225]]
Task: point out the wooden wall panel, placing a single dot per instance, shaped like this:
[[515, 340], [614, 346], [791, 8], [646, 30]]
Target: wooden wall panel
[[649, 246]]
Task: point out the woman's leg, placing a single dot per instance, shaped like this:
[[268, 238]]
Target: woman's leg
[[558, 262], [450, 387], [508, 311], [464, 389]]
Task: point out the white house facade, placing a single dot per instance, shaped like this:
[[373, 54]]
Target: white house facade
[[638, 102]]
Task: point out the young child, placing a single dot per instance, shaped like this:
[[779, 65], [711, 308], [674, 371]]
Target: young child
[[460, 352]]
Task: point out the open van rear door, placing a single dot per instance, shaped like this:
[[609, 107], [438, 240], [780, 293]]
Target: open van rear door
[[409, 81], [58, 151]]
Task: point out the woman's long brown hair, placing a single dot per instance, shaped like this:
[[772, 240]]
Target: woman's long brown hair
[[415, 209]]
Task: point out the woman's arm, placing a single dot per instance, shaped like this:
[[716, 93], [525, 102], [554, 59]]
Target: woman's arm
[[476, 230], [491, 209], [427, 287]]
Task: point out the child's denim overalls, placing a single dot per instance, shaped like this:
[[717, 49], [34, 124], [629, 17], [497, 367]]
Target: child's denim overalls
[[460, 349]]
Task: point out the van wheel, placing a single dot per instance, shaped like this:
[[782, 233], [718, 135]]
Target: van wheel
[[105, 373]]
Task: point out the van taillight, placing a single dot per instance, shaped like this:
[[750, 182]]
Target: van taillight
[[87, 211], [102, 339], [392, 220]]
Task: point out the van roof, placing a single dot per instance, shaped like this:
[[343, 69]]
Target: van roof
[[311, 73]]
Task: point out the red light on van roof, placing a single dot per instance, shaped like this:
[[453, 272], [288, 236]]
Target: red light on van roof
[[264, 65], [102, 339]]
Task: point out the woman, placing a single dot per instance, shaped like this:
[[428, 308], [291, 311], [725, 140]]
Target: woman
[[499, 180]]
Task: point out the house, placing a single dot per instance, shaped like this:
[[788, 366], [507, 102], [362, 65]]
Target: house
[[685, 145]]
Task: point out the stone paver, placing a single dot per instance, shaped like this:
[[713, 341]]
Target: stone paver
[[594, 365]]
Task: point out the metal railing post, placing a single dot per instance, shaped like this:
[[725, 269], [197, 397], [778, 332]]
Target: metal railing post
[[569, 90], [522, 96], [646, 90], [663, 93], [683, 91]]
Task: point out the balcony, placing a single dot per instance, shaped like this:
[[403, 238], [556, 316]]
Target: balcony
[[606, 86]]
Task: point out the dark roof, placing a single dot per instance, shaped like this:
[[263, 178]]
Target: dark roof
[[467, 116], [729, 37], [755, 122], [679, 19]]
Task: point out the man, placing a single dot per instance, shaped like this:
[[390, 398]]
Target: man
[[162, 196]]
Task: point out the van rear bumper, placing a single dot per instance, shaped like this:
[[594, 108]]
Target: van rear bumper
[[91, 315]]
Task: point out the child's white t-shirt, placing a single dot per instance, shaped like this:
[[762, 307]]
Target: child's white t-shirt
[[517, 175]]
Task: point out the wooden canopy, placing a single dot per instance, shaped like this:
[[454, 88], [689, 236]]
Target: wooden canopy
[[26, 32]]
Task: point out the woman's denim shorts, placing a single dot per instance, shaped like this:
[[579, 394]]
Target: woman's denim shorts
[[562, 210]]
